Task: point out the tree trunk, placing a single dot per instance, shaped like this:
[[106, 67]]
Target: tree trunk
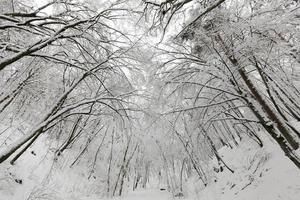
[[279, 124]]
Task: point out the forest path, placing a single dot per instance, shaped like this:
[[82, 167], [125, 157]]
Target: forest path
[[148, 194]]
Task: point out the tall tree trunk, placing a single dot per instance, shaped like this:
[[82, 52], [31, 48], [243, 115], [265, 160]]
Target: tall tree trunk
[[279, 124], [258, 97], [272, 131], [110, 162]]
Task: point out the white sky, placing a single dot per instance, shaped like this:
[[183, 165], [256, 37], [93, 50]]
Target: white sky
[[40, 3]]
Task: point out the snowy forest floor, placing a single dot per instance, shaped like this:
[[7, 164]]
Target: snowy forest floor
[[259, 174], [263, 174]]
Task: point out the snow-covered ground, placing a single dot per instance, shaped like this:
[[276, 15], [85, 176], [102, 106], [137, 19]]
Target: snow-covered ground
[[259, 174], [147, 194]]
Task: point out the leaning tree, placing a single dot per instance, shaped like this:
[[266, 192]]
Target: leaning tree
[[233, 65]]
